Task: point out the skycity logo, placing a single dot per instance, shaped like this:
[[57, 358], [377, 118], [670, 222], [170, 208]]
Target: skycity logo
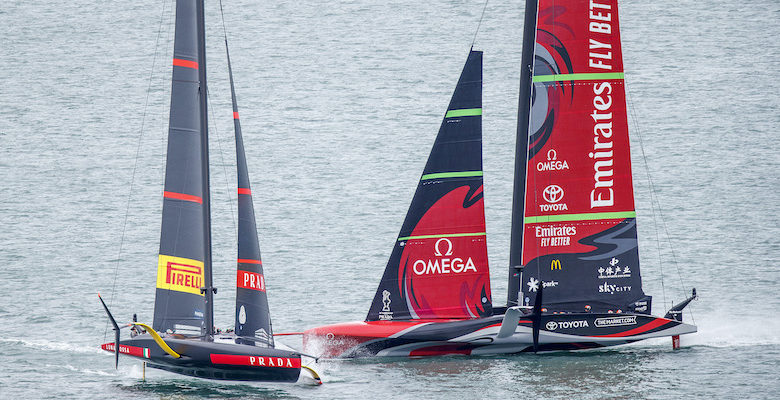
[[612, 289], [443, 264]]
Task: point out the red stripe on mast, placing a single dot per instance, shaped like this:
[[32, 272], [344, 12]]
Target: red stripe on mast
[[244, 191], [235, 114], [185, 63], [182, 196], [249, 261]]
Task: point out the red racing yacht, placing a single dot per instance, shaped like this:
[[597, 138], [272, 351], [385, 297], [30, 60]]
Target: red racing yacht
[[574, 235]]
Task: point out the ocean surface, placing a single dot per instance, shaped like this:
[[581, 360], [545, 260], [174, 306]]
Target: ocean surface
[[340, 103]]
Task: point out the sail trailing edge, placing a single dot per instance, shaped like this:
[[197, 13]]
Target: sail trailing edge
[[438, 267]]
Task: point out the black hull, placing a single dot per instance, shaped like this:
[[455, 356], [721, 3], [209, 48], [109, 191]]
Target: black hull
[[214, 360], [413, 338]]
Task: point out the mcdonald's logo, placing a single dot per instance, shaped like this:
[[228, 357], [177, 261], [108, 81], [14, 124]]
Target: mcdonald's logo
[[555, 264]]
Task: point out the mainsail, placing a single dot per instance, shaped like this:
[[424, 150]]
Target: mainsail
[[579, 237], [253, 318], [439, 265], [184, 263]]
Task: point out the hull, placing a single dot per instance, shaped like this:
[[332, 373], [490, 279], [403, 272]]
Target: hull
[[572, 331], [214, 360]]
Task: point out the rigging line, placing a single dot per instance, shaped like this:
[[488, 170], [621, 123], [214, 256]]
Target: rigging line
[[227, 53], [222, 159], [632, 111], [135, 163], [478, 25], [657, 204]]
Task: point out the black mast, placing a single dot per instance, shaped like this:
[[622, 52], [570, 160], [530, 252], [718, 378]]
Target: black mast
[[521, 152], [208, 315]]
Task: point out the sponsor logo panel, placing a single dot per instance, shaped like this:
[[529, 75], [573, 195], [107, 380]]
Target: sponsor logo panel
[[250, 280], [552, 163], [179, 274], [533, 284], [553, 325], [128, 350], [615, 321], [612, 289], [255, 361], [444, 262], [614, 270]]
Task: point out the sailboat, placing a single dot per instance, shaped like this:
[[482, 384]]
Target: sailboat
[[182, 337], [573, 235]]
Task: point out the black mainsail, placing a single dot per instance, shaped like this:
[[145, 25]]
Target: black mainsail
[[184, 263]]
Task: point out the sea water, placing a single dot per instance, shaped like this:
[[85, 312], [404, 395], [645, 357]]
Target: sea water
[[340, 103]]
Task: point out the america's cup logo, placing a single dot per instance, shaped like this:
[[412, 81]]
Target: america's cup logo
[[385, 301]]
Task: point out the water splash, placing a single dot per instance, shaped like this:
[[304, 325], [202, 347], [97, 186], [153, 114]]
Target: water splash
[[52, 345]]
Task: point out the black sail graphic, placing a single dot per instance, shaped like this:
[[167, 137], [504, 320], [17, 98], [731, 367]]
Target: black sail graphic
[[438, 267], [253, 318], [185, 234]]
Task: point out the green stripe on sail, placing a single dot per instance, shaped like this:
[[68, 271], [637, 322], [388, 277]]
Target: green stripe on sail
[[441, 236], [464, 112], [579, 77], [462, 174], [580, 217]]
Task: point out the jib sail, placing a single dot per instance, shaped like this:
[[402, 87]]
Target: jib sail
[[439, 265], [184, 259], [253, 317], [579, 237]]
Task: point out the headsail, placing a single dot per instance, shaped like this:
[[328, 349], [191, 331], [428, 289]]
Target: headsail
[[253, 318], [184, 259], [439, 265], [579, 238]]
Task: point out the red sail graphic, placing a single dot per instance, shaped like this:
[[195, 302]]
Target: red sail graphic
[[579, 165], [444, 264]]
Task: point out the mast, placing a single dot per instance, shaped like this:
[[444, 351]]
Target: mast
[[521, 152], [208, 317]]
